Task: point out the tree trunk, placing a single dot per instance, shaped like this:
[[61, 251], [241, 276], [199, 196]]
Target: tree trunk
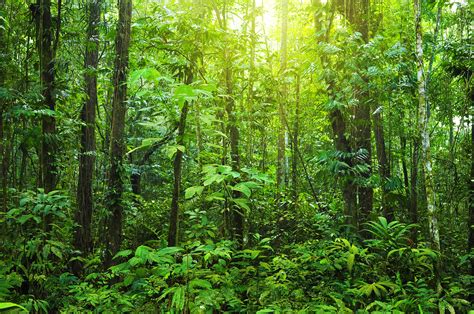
[[3, 151], [251, 78], [3, 154], [296, 130], [177, 167], [342, 145], [471, 189], [47, 68], [82, 235], [117, 136], [384, 167], [341, 142], [414, 187], [362, 135], [173, 232], [424, 136], [281, 164], [233, 131]]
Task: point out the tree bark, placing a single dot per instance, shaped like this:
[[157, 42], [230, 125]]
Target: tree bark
[[471, 188], [362, 135], [3, 152], [47, 68], [233, 131], [83, 217], [384, 167], [342, 144], [424, 136], [117, 136], [173, 232], [296, 130]]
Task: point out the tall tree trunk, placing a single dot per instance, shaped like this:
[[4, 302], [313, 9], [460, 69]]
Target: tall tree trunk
[[296, 130], [362, 135], [3, 154], [117, 136], [424, 136], [384, 167], [251, 78], [233, 131], [414, 187], [471, 188], [47, 68], [3, 151], [173, 231], [281, 164], [338, 126], [82, 235], [348, 187]]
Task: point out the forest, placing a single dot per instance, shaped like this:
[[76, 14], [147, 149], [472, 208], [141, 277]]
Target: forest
[[236, 156]]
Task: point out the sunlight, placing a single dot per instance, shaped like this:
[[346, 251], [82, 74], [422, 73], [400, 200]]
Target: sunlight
[[270, 15]]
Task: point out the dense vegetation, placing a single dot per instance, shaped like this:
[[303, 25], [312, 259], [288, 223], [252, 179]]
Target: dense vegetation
[[207, 156]]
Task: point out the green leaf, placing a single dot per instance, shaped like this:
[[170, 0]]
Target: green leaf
[[170, 250], [9, 305], [178, 298], [213, 178], [57, 252], [200, 283], [350, 262], [242, 203], [193, 190], [123, 253], [241, 187]]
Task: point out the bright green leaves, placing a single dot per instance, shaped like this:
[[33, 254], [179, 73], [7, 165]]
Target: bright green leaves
[[243, 188], [379, 288], [9, 306], [348, 250], [34, 207], [221, 182], [194, 190], [183, 92]]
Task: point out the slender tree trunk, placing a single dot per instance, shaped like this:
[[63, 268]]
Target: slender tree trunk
[[281, 164], [233, 131], [424, 136], [3, 152], [471, 189], [4, 170], [362, 135], [83, 217], [117, 136], [47, 68], [177, 168], [384, 167], [423, 126], [173, 232], [296, 130], [414, 187]]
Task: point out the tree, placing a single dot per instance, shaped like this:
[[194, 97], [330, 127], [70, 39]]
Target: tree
[[45, 47], [177, 168], [3, 152], [83, 237], [117, 136]]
